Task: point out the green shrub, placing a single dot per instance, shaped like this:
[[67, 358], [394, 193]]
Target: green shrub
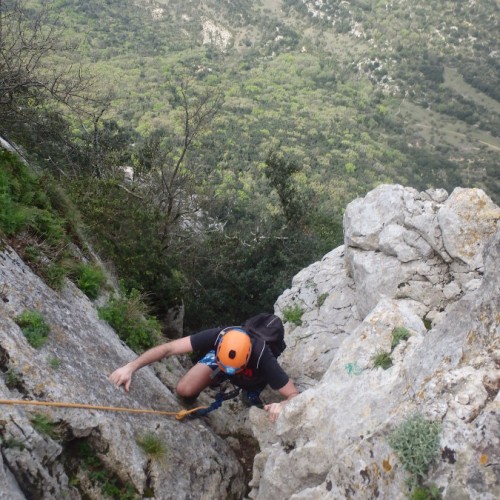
[[55, 363], [13, 378], [109, 484], [416, 443], [53, 274], [382, 359], [293, 314], [34, 328], [128, 316], [44, 425], [90, 280], [152, 446], [398, 334], [426, 493]]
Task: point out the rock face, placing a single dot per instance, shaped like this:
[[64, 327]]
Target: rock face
[[429, 263], [73, 367]]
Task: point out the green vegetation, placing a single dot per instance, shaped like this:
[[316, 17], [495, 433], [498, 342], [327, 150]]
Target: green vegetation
[[55, 363], [382, 359], [322, 298], [416, 443], [90, 279], [426, 493], [43, 424], [34, 327], [293, 314], [13, 378], [152, 446], [83, 458], [128, 315], [399, 334], [244, 156]]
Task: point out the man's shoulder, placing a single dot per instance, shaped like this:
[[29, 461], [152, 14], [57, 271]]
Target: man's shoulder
[[204, 338]]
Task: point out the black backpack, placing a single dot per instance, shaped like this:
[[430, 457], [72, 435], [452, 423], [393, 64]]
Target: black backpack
[[269, 328]]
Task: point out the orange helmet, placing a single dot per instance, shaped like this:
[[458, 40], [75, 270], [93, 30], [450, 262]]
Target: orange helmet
[[233, 350]]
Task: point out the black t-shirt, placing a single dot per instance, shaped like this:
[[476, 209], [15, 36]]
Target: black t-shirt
[[262, 368]]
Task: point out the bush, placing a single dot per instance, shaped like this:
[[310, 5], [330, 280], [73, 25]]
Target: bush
[[90, 280], [34, 328], [293, 315], [152, 446], [416, 443], [44, 425], [128, 316], [382, 359]]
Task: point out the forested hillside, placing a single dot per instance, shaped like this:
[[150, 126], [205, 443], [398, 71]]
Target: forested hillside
[[249, 126]]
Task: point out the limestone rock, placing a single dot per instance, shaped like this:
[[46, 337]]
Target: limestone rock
[[408, 258], [197, 463]]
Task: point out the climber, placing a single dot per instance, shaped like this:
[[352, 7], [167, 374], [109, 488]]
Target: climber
[[230, 354]]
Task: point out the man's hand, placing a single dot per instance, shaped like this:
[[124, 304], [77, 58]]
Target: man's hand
[[122, 376], [274, 409]]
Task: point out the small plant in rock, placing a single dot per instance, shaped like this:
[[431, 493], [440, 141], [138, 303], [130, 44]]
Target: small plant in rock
[[322, 298], [416, 443], [427, 323], [128, 316], [12, 442], [109, 484], [55, 363], [382, 359], [152, 446], [293, 315], [399, 334], [13, 378], [44, 425], [426, 493], [89, 279], [34, 328]]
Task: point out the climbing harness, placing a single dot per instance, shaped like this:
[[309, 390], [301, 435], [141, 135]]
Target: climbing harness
[[179, 415], [219, 398]]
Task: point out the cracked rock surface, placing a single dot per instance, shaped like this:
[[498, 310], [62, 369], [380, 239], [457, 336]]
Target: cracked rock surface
[[425, 261]]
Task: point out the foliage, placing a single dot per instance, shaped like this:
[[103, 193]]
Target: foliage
[[399, 334], [426, 493], [43, 424], [152, 446], [416, 443], [293, 314], [321, 299], [108, 483], [128, 316], [34, 327], [234, 194], [382, 359], [13, 378], [55, 363], [90, 279]]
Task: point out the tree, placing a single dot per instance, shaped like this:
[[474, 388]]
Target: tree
[[29, 82], [172, 174], [280, 170]]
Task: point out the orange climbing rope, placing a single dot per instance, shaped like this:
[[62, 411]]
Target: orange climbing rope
[[179, 415]]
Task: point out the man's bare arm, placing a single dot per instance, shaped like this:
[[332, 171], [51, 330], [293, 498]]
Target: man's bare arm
[[123, 375]]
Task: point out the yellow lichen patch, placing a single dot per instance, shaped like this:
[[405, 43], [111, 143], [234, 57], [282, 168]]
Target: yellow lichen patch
[[483, 459], [386, 465], [420, 394]]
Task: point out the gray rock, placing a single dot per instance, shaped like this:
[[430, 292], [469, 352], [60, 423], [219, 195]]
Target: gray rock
[[197, 462], [408, 257]]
